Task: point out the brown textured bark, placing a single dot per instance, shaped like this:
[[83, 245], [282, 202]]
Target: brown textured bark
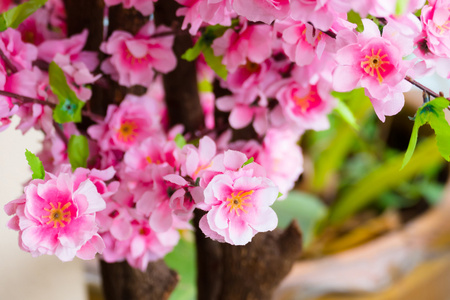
[[87, 14], [180, 85], [120, 281], [251, 272]]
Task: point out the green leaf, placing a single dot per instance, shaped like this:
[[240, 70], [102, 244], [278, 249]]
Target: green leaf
[[249, 161], [182, 259], [192, 53], [36, 165], [78, 151], [401, 6], [215, 63], [16, 15], [307, 209], [69, 106], [431, 113], [355, 18], [180, 141], [344, 111], [205, 86]]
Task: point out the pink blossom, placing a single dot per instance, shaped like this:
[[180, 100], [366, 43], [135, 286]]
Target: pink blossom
[[305, 106], [239, 202], [436, 28], [143, 246], [57, 216], [145, 7], [262, 10], [129, 124], [279, 154], [19, 53], [371, 61], [4, 5], [196, 12], [134, 58], [251, 43], [302, 43], [321, 13]]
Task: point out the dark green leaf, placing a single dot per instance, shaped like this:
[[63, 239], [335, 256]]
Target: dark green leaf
[[180, 141], [69, 106], [36, 165], [249, 161], [305, 208], [78, 151], [16, 15]]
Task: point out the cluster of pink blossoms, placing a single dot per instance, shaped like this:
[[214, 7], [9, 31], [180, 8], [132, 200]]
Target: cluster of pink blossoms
[[283, 58]]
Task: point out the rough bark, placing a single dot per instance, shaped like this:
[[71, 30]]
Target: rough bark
[[120, 281], [180, 85], [253, 271]]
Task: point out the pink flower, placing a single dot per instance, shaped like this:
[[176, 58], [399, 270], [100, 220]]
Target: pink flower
[[251, 43], [4, 5], [129, 124], [19, 53], [145, 7], [57, 216], [321, 13], [372, 61], [238, 202], [302, 43], [262, 10], [196, 12], [307, 107], [436, 28], [134, 58]]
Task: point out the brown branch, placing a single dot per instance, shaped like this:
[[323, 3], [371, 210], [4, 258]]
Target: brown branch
[[25, 99], [422, 87], [10, 67], [120, 281]]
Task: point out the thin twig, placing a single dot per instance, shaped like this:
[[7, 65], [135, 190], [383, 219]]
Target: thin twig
[[11, 68], [60, 133], [25, 99], [422, 87]]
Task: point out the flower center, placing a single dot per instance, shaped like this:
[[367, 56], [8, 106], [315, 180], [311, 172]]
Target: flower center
[[374, 64], [58, 215], [237, 202], [133, 59], [151, 161], [308, 102], [127, 131]]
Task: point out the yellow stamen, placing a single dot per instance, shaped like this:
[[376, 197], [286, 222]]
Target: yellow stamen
[[304, 103], [127, 131], [374, 63], [237, 201], [58, 215]]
